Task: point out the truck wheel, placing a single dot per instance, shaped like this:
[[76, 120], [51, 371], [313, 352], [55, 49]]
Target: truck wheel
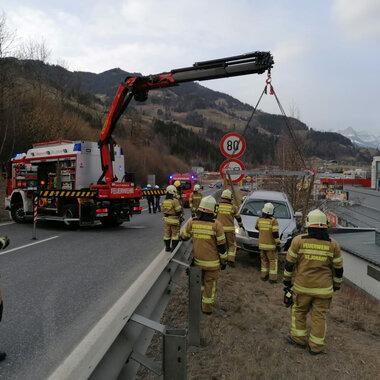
[[70, 211], [18, 213]]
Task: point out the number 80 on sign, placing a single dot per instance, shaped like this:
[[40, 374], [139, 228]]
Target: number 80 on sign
[[232, 145]]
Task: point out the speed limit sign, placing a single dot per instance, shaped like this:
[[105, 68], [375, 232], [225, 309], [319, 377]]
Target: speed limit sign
[[232, 145], [232, 164]]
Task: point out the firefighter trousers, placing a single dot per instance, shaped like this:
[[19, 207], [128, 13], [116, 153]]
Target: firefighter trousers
[[209, 278], [231, 245], [171, 231], [318, 307], [269, 262]]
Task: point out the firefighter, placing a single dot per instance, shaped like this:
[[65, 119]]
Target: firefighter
[[209, 248], [157, 199], [4, 242], [178, 195], [226, 214], [319, 271], [172, 214], [150, 198], [195, 200], [269, 242]]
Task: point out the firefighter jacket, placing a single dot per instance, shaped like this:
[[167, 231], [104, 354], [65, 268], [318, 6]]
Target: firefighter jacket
[[209, 242], [195, 200], [172, 211], [268, 233], [318, 265], [226, 214]]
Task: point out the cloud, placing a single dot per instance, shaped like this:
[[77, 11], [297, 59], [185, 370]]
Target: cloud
[[358, 19]]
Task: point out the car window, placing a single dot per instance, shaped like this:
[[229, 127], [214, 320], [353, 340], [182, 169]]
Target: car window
[[186, 185], [253, 207]]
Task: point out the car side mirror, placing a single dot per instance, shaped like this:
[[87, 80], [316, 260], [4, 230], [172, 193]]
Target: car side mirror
[[298, 214]]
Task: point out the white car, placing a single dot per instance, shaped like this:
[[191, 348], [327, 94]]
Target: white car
[[250, 211]]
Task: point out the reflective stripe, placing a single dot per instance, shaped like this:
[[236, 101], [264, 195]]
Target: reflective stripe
[[207, 300], [264, 269], [228, 228], [288, 274], [298, 332], [273, 271], [264, 229], [202, 236], [264, 222], [316, 340], [185, 234], [315, 252], [223, 256], [338, 280], [277, 240], [178, 208], [203, 232], [208, 264], [270, 246], [301, 289], [337, 260], [275, 228], [202, 226], [171, 221], [220, 238], [232, 253], [291, 253]]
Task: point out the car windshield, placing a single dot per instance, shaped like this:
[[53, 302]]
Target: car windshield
[[254, 207], [186, 185]]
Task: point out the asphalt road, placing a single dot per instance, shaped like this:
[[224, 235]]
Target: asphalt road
[[57, 287]]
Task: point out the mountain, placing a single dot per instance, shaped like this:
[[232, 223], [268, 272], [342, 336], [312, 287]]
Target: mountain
[[361, 138], [174, 129]]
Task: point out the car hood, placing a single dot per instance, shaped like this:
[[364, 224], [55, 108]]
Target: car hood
[[286, 226]]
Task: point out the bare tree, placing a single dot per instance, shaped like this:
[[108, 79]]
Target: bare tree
[[7, 37], [34, 50]]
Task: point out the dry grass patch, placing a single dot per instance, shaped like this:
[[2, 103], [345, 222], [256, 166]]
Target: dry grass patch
[[244, 337]]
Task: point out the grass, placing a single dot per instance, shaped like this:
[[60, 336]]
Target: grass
[[244, 337]]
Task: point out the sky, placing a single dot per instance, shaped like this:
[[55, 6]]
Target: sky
[[326, 52]]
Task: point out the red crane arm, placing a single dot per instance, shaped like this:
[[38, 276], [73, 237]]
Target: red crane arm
[[138, 87]]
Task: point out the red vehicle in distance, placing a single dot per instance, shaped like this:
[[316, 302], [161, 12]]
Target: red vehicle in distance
[[188, 181]]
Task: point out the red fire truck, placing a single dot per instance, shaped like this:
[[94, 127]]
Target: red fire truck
[[64, 173], [188, 181]]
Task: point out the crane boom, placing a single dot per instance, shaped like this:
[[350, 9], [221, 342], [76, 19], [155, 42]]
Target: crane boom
[[137, 87]]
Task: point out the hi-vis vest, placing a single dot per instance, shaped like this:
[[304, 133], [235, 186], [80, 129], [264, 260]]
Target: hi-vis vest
[[195, 200], [171, 208], [315, 260], [226, 214], [266, 228], [206, 237]]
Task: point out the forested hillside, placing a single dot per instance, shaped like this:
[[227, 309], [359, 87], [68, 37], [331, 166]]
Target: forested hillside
[[173, 130]]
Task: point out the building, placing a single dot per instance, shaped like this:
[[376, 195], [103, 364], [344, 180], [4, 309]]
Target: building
[[375, 173]]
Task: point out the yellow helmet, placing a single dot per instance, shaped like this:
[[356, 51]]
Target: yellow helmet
[[317, 219], [177, 183], [171, 189], [207, 205], [227, 194], [268, 209]]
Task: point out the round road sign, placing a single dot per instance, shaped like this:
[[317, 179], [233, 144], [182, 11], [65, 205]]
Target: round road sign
[[232, 145], [232, 164]]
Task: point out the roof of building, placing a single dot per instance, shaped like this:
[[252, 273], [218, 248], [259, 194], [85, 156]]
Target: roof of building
[[361, 244]]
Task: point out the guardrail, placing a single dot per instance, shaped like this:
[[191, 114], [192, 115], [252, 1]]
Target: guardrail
[[116, 345]]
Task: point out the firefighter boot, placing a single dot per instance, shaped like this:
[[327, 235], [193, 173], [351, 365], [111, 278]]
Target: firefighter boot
[[174, 244], [167, 245]]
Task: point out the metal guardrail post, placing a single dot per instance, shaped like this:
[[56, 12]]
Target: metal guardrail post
[[175, 360], [195, 280]]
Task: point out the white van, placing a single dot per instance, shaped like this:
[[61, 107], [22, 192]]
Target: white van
[[250, 211]]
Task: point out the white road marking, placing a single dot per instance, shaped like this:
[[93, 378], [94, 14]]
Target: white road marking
[[6, 223], [28, 245]]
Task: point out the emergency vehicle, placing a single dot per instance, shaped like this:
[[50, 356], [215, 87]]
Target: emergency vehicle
[[188, 181], [63, 174]]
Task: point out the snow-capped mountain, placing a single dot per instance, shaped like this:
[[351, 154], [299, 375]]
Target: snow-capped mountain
[[361, 138]]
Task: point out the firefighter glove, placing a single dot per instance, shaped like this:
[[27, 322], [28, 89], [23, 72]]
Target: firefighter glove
[[223, 266], [241, 226], [335, 288], [4, 242], [288, 297], [287, 283]]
